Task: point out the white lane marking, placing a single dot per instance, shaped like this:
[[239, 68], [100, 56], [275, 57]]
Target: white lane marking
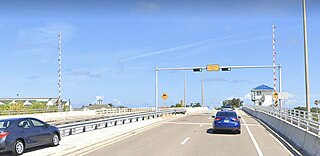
[[185, 140], [251, 136], [209, 118], [201, 125]]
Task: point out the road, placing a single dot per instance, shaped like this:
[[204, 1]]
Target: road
[[192, 135]]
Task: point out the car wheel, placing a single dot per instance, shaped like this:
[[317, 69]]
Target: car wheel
[[239, 132], [55, 139], [18, 147]]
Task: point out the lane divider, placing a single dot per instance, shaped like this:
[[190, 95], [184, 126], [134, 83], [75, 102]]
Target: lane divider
[[185, 140], [201, 125]]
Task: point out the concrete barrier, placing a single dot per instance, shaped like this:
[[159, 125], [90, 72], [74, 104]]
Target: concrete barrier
[[307, 143]]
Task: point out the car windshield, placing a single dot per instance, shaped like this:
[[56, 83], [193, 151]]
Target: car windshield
[[4, 124], [227, 114]]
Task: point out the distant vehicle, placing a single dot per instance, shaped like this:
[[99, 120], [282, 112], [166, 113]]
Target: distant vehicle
[[226, 120], [18, 134], [227, 108]]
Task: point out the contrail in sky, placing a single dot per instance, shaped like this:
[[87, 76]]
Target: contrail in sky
[[181, 47]]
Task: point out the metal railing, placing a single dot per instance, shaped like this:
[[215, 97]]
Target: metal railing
[[122, 110], [308, 121], [22, 112], [76, 128]]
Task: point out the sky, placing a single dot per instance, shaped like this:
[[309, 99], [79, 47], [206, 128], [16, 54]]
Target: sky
[[111, 49]]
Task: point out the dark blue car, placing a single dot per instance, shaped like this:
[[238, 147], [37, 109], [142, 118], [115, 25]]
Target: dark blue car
[[18, 134], [226, 120]]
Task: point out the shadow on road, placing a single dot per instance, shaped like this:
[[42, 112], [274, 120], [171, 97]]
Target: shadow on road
[[211, 131], [26, 150]]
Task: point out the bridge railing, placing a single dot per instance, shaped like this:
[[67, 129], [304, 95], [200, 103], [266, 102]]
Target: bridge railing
[[76, 128], [308, 121], [22, 112], [122, 110]]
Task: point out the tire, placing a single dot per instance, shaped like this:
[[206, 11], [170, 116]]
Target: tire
[[18, 147], [239, 132], [55, 139]]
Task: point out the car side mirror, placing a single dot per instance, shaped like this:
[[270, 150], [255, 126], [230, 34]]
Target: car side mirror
[[47, 125], [213, 116], [239, 117]]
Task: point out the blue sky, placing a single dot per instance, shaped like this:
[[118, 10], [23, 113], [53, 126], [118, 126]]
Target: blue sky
[[110, 48]]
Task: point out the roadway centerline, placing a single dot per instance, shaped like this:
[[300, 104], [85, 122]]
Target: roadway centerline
[[201, 125], [251, 136], [185, 140]]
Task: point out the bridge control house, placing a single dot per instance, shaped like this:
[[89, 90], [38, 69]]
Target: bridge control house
[[262, 95]]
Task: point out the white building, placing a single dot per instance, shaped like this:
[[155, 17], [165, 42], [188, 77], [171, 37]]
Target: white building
[[262, 95]]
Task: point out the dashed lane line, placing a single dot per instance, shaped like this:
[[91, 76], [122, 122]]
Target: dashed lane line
[[185, 140]]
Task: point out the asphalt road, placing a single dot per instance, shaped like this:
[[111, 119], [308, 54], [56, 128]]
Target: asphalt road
[[192, 136]]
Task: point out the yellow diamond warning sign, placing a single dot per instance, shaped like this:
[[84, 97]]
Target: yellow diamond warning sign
[[164, 96]]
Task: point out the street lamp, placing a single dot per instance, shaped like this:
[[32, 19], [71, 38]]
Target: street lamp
[[306, 64]]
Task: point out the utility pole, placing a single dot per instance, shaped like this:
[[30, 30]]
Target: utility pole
[[306, 63], [202, 89], [184, 90], [156, 91]]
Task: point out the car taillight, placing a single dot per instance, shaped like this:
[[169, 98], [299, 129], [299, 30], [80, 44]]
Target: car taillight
[[217, 119], [235, 119], [3, 134]]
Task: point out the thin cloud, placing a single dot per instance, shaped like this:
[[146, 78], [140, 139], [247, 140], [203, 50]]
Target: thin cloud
[[33, 77], [146, 7], [173, 49], [216, 79], [86, 73]]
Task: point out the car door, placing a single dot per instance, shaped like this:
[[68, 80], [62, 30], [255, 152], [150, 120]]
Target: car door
[[42, 131], [28, 133]]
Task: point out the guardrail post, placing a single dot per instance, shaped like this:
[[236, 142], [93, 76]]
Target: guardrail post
[[84, 129], [106, 124], [123, 121], [115, 123], [308, 124], [96, 126], [70, 131]]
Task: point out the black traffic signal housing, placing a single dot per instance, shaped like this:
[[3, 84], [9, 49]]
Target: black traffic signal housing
[[197, 70], [225, 69]]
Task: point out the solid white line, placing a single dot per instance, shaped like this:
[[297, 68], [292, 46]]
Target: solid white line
[[185, 140], [251, 136], [201, 125]]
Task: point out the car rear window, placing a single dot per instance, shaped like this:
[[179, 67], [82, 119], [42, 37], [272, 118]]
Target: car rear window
[[4, 124], [231, 114]]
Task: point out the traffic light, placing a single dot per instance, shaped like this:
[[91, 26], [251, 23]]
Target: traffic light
[[197, 70], [226, 69]]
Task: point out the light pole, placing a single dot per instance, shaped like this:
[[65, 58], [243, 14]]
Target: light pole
[[306, 64], [156, 91], [202, 89], [184, 89]]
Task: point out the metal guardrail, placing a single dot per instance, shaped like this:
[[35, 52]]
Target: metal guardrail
[[22, 112], [76, 128], [308, 121]]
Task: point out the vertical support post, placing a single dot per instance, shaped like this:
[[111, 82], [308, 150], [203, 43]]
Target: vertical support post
[[202, 89], [280, 83], [184, 90], [156, 91], [306, 63]]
